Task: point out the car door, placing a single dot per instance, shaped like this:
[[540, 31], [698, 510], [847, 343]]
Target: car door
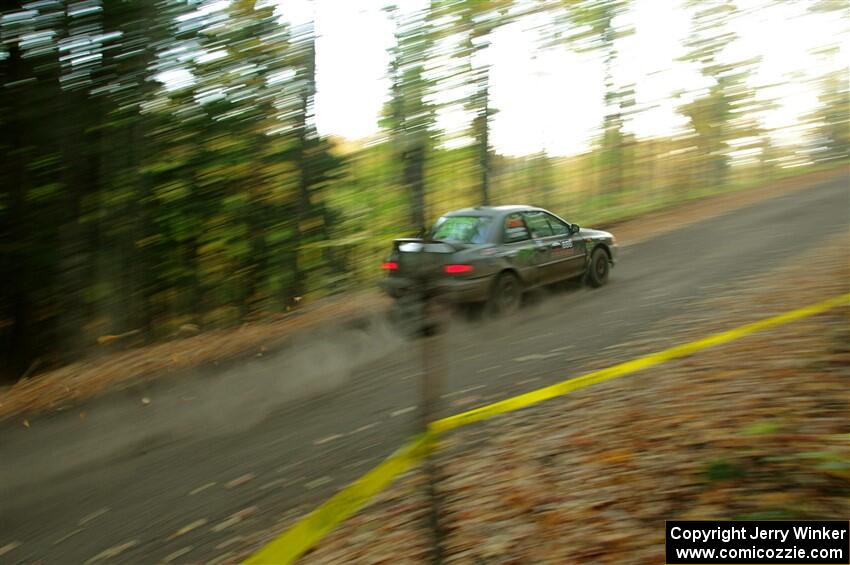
[[520, 249], [547, 247], [570, 251]]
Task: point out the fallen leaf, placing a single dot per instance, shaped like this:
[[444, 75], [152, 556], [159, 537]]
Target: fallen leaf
[[188, 528], [238, 481]]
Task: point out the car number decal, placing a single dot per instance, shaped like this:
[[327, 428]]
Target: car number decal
[[566, 243]]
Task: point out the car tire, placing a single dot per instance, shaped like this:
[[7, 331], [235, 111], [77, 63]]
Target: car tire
[[505, 295], [598, 268]]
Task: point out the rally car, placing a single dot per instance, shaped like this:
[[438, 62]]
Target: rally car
[[494, 254]]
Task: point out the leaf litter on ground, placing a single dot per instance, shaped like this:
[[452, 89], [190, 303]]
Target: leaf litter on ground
[[755, 429]]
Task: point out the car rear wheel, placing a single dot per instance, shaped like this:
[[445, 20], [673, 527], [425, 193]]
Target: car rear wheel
[[598, 268], [408, 315], [506, 295]]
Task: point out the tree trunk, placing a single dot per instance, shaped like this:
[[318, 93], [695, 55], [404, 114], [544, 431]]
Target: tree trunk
[[414, 178], [305, 137], [484, 156]]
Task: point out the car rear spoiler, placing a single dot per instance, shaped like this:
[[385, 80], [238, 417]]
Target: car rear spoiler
[[455, 246]]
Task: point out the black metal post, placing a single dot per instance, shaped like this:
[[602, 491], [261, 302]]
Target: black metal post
[[433, 368]]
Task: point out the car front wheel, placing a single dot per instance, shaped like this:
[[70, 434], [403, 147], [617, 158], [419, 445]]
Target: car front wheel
[[598, 268]]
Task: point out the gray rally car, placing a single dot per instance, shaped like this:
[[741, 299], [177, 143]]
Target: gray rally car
[[493, 254]]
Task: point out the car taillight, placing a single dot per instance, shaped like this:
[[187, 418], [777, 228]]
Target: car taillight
[[458, 269], [389, 266]]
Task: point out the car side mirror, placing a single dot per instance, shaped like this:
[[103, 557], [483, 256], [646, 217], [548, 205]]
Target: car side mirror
[[574, 228]]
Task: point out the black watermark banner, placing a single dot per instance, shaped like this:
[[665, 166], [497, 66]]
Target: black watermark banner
[[815, 542]]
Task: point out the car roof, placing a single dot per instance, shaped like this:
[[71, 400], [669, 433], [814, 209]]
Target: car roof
[[491, 210]]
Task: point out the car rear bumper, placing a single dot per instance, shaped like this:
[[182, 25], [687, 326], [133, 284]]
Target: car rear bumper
[[457, 290]]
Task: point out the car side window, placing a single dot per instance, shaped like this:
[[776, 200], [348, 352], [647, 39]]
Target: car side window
[[515, 229], [558, 227], [538, 225]]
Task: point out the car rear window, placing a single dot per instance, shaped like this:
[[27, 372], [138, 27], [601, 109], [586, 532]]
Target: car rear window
[[465, 229]]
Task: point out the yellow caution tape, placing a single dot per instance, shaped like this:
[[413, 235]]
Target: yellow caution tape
[[308, 531], [316, 525]]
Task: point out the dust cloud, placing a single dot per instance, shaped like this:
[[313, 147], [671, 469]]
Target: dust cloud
[[204, 403]]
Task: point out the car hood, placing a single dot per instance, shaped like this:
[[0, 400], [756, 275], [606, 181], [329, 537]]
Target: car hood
[[594, 234]]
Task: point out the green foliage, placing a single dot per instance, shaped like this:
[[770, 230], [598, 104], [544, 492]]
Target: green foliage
[[591, 26], [471, 23], [776, 514], [762, 427], [409, 115], [722, 470], [139, 205], [722, 116], [831, 134]]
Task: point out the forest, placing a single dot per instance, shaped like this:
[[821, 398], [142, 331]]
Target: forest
[[133, 205]]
